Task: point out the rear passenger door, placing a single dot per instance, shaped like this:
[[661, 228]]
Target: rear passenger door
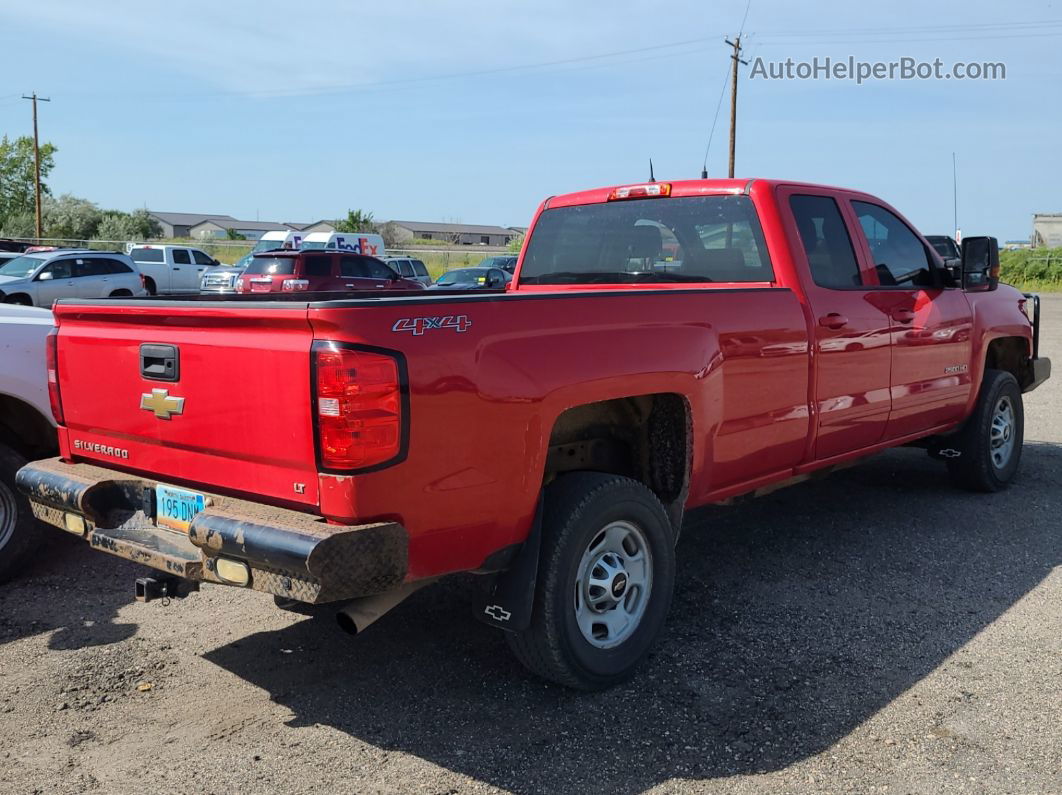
[[850, 334], [354, 274], [92, 277], [930, 324]]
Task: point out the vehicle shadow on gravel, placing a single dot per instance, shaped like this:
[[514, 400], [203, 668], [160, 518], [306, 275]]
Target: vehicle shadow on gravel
[[796, 618], [72, 591]]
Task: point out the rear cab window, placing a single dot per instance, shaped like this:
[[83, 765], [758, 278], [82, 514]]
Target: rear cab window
[[697, 239], [147, 255]]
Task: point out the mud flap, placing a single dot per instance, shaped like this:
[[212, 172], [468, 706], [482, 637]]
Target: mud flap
[[512, 596]]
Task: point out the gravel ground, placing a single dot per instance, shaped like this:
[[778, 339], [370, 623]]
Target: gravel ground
[[875, 631]]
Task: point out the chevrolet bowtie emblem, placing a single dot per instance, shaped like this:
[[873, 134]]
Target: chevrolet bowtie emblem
[[160, 402]]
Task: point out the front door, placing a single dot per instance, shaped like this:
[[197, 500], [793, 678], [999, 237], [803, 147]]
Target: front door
[[851, 333], [931, 325], [56, 280]]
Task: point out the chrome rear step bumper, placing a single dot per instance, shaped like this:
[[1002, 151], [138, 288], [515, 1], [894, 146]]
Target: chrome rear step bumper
[[288, 553]]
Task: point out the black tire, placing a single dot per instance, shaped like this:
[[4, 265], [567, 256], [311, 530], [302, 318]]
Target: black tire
[[20, 535], [149, 285], [18, 300], [121, 294], [982, 464], [578, 508]]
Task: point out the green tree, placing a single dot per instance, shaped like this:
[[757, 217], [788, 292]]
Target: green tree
[[356, 221], [70, 217], [120, 226], [17, 175], [232, 234]]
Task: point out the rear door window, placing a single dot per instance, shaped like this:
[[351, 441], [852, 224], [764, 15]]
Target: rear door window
[[181, 257], [827, 245], [354, 268], [419, 268], [405, 267]]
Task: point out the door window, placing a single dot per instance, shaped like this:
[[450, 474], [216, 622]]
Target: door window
[[405, 267], [826, 242], [94, 266], [63, 269], [353, 268], [201, 257], [180, 257], [419, 269], [899, 256]]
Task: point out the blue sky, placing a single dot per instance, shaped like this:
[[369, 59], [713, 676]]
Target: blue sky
[[475, 111]]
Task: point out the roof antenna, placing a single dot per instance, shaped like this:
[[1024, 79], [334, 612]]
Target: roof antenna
[[704, 172], [651, 177]]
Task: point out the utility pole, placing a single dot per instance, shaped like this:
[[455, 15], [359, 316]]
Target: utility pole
[[955, 196], [736, 56], [37, 160]]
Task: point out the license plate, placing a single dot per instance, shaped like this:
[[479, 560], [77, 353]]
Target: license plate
[[174, 508]]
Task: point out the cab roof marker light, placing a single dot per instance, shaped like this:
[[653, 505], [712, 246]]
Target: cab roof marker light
[[647, 190]]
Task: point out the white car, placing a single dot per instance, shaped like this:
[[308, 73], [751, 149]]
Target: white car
[[40, 278], [171, 269], [366, 243], [27, 430]]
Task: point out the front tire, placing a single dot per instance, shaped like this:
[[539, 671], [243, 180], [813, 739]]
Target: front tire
[[990, 443], [20, 535], [606, 576]]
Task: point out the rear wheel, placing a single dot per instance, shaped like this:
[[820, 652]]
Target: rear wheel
[[149, 285], [20, 300], [20, 534], [990, 443], [606, 576]]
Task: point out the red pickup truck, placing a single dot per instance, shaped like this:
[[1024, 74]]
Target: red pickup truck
[[662, 346]]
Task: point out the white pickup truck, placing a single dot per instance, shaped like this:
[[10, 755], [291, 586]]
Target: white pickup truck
[[171, 269], [26, 427]]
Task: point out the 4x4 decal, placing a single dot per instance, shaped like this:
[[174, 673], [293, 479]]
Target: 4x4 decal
[[418, 325]]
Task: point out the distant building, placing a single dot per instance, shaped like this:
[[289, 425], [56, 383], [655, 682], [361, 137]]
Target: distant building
[[318, 226], [180, 224], [219, 228], [1047, 230], [462, 234], [1014, 245]]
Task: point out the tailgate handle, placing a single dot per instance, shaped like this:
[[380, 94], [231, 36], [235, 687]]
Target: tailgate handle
[[160, 362]]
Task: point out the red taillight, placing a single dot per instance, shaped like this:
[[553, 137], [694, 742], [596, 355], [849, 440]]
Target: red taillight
[[359, 407], [51, 357], [647, 191]]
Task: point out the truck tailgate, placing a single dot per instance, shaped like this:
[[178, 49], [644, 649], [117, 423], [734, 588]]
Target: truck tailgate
[[236, 415]]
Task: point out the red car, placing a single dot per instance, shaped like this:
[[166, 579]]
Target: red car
[[662, 346], [317, 271]]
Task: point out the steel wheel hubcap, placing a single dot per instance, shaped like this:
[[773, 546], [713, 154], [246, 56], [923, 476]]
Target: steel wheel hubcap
[[1001, 438], [613, 584], [8, 514]]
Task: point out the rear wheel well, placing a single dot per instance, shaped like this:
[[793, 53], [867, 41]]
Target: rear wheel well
[[149, 285], [645, 437], [1010, 354], [122, 293], [25, 430], [18, 298]]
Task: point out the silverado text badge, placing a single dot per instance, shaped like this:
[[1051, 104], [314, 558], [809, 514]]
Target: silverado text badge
[[160, 402]]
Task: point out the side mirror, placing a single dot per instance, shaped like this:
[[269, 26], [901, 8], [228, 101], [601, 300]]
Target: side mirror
[[217, 263], [45, 276], [980, 264]]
